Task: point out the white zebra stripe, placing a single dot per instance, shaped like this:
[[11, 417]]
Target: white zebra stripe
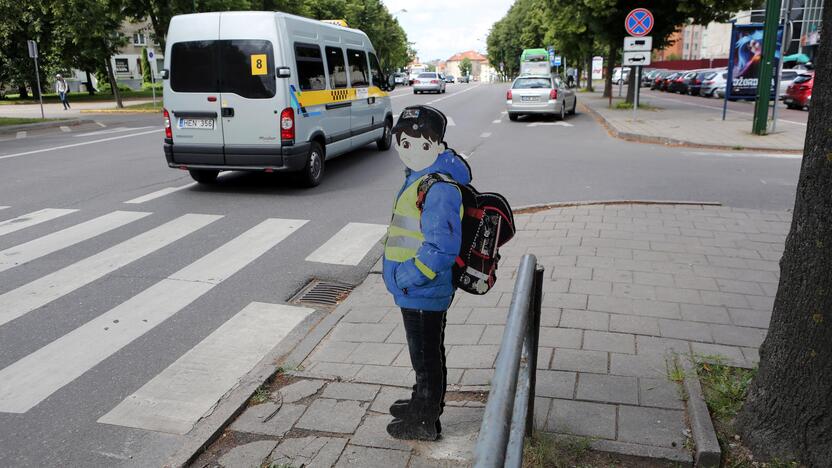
[[349, 245], [31, 219]]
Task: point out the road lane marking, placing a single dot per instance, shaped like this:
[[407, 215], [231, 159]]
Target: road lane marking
[[550, 124], [111, 130], [349, 245], [55, 148], [3, 207], [745, 155], [497, 121], [20, 134], [485, 135], [451, 122], [454, 94], [504, 112], [32, 219], [100, 124], [42, 246], [42, 291], [763, 182], [176, 399], [65, 129], [30, 380], [159, 193]]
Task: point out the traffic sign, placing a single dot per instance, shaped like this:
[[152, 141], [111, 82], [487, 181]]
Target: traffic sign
[[150, 54], [636, 59], [33, 49], [639, 22], [638, 44], [557, 60]]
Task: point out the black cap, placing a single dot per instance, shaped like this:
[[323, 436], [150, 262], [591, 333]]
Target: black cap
[[422, 121]]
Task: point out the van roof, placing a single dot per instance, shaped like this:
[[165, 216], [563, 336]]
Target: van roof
[[268, 14]]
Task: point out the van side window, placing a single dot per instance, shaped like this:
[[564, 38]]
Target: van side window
[[248, 68], [335, 67], [193, 67], [357, 60], [310, 67], [375, 70]]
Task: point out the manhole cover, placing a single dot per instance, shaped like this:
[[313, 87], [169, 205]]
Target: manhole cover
[[322, 294]]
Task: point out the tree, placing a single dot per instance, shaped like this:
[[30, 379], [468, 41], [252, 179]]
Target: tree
[[147, 72], [22, 21], [431, 67], [465, 67], [788, 410]]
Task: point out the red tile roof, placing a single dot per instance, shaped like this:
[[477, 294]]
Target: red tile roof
[[470, 54]]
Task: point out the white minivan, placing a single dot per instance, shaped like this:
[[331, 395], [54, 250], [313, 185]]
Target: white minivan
[[265, 91]]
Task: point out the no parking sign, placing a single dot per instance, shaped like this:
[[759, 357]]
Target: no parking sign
[[639, 22]]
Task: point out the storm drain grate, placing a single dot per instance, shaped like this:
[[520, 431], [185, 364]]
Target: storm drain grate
[[327, 294]]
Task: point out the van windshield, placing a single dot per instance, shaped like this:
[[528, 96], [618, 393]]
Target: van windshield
[[243, 67]]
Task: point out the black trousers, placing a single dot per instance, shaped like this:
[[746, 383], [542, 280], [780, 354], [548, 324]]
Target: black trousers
[[425, 332]]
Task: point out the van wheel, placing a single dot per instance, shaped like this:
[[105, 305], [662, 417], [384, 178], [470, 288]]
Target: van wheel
[[204, 176], [513, 117], [313, 172], [386, 139]]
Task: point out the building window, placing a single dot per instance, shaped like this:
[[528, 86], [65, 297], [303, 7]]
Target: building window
[[122, 65], [687, 46], [139, 39]]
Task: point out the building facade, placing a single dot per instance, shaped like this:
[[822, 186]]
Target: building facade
[[479, 64]]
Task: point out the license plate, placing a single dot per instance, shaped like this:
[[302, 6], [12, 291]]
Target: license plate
[[528, 98], [197, 124]]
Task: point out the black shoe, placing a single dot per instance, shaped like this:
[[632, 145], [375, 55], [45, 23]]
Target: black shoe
[[413, 429], [400, 410]]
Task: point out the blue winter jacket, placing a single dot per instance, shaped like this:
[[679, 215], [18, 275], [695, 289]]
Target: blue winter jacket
[[442, 228]]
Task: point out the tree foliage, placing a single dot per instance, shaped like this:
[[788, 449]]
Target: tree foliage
[[465, 67]]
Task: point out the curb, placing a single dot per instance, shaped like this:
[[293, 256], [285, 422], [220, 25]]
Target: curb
[[525, 209], [40, 125], [639, 138], [121, 111], [707, 453]]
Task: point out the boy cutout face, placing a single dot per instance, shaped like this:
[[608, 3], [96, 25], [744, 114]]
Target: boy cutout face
[[418, 136]]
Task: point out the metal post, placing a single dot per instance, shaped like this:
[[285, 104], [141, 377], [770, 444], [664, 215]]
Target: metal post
[[534, 335], [787, 36], [636, 90], [153, 86], [760, 124], [40, 92]]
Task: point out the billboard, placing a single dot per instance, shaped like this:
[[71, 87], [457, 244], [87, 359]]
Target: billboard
[[597, 68], [745, 58]]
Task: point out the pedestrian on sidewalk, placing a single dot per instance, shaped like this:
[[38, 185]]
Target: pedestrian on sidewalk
[[62, 88], [423, 242]]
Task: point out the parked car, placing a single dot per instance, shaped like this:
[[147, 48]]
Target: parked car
[[464, 79], [657, 78], [679, 84], [540, 94], [428, 82], [666, 80], [720, 92], [694, 81], [786, 78], [619, 74], [799, 93], [449, 78], [647, 76], [712, 81], [401, 79]]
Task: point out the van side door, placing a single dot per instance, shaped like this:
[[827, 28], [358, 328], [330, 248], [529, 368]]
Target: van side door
[[378, 98], [361, 115], [336, 114]]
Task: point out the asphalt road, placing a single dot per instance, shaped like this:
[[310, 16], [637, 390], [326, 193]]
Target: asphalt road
[[60, 371]]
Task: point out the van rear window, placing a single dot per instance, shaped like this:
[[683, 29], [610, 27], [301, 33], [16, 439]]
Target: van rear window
[[243, 67]]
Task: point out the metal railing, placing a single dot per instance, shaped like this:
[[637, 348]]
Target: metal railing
[[509, 412]]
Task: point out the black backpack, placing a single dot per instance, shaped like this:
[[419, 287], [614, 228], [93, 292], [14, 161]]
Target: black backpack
[[487, 224]]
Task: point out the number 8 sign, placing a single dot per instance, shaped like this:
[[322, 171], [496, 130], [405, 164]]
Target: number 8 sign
[[259, 64]]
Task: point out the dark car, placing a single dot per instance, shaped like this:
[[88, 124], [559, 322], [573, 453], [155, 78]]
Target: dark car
[[678, 84], [657, 78], [799, 93], [666, 80], [646, 76], [449, 78], [695, 82]]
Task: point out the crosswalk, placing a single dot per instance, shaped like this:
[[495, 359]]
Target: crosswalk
[[180, 395]]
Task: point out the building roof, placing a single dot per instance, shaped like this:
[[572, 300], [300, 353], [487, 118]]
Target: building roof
[[472, 55]]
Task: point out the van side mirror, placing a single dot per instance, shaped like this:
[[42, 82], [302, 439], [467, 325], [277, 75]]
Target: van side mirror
[[284, 72], [165, 74]]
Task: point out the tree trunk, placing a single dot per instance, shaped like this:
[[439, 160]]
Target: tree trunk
[[589, 75], [610, 66], [788, 410], [23, 91], [90, 88], [632, 82], [114, 84]]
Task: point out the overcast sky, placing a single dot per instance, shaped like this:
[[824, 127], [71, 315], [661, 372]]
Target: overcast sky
[[441, 28]]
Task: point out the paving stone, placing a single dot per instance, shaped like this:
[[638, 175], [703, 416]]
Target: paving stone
[[612, 275], [691, 281], [738, 336], [610, 304], [350, 391], [585, 319], [299, 390], [657, 309], [252, 419], [607, 388], [334, 370], [613, 342], [560, 337], [493, 335], [327, 415], [634, 291], [731, 355], [385, 375], [362, 332], [454, 376], [488, 315], [373, 433], [579, 360], [637, 366], [456, 315], [309, 452], [662, 393], [486, 300], [477, 377], [688, 296], [559, 285], [366, 314], [571, 272], [381, 354], [763, 303], [565, 301], [398, 335], [685, 330], [403, 360], [661, 346], [549, 317], [741, 287], [651, 426], [653, 279], [250, 455], [724, 299], [598, 288], [368, 457], [582, 419], [541, 412], [544, 357], [634, 324], [555, 384], [333, 351], [752, 355], [703, 313], [472, 356], [386, 396], [463, 334]]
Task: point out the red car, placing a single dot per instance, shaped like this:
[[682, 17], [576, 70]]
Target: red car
[[799, 93]]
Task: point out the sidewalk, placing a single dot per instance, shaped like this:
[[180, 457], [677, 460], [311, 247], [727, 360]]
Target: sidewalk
[[56, 111], [627, 288], [677, 123]]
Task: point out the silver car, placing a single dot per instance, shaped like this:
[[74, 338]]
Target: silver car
[[540, 94], [428, 82], [712, 81]]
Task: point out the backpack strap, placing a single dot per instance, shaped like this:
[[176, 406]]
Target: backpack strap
[[427, 183]]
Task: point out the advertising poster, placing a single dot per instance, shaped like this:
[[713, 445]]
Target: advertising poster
[[597, 68], [745, 58]]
